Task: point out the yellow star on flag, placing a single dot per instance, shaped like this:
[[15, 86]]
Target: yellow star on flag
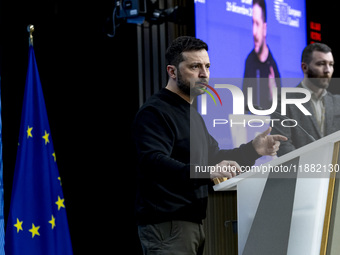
[[29, 132], [18, 225], [60, 203], [34, 230], [52, 222], [46, 137], [54, 156]]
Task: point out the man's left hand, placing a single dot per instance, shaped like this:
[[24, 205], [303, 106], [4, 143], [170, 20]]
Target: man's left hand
[[265, 144]]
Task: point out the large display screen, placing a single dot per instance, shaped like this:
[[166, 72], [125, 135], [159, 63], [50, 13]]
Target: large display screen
[[248, 40]]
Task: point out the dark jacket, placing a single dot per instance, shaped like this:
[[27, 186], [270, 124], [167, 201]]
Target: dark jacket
[[296, 136]]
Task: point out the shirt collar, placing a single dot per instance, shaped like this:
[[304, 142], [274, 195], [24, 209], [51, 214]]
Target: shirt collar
[[313, 93]]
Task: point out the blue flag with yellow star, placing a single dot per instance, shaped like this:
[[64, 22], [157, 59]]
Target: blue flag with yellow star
[[37, 222]]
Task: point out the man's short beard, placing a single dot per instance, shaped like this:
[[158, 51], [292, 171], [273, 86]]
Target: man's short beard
[[259, 51], [187, 88], [316, 79], [184, 86]]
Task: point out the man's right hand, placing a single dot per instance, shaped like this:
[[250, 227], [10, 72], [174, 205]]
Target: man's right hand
[[226, 169]]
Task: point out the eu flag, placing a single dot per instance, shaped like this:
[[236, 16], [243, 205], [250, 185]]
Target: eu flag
[[37, 222]]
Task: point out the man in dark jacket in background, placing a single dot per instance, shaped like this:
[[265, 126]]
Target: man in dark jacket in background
[[317, 64]]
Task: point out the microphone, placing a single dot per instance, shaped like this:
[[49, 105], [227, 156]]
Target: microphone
[[257, 107]]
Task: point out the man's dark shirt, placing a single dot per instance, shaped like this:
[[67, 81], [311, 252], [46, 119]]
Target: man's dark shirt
[[167, 152]]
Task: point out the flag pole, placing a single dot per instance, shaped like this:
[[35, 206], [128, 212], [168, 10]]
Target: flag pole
[[30, 29], [37, 219]]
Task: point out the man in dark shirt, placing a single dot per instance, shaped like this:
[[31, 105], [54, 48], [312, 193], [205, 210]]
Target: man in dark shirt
[[171, 140], [261, 72]]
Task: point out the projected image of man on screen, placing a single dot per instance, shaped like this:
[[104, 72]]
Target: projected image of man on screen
[[260, 62]]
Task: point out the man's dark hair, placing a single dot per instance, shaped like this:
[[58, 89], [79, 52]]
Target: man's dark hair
[[182, 44], [309, 49], [263, 7]]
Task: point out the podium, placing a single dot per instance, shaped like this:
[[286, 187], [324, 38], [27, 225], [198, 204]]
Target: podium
[[289, 205]]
